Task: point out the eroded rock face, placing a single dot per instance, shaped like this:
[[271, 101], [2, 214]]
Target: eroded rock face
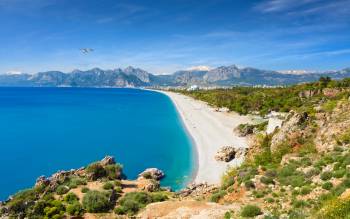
[[197, 189], [292, 124], [42, 181], [225, 154], [152, 173], [151, 185], [108, 160]]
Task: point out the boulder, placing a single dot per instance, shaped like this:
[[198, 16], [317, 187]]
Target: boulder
[[225, 154], [152, 173], [42, 181], [151, 186], [108, 160]]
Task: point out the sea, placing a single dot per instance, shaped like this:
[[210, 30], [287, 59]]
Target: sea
[[43, 130]]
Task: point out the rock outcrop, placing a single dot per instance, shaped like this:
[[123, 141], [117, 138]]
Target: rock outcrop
[[150, 185], [108, 160], [293, 123], [152, 173], [197, 190], [225, 154]]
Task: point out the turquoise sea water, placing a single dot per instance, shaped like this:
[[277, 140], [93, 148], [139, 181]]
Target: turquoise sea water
[[43, 130]]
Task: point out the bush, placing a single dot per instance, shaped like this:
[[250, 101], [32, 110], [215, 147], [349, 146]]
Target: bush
[[159, 197], [96, 202], [71, 198], [228, 215], [327, 175], [118, 183], [267, 180], [61, 190], [96, 171], [299, 203], [132, 202], [339, 173], [118, 189], [250, 211], [305, 190], [75, 209], [327, 186], [74, 182], [55, 209], [85, 189], [249, 184], [227, 182], [114, 171], [258, 194], [217, 196], [108, 186]]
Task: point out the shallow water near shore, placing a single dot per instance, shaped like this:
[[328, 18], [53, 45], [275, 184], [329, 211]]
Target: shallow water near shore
[[43, 130]]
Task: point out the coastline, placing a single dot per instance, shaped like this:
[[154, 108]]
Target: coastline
[[209, 130]]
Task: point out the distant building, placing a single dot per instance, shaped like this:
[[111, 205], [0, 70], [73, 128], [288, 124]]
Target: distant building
[[193, 88]]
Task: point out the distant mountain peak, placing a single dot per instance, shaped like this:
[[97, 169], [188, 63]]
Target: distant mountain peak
[[199, 68]]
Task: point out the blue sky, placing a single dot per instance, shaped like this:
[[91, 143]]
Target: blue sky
[[162, 36]]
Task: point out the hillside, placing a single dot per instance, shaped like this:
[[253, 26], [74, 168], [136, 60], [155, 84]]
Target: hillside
[[299, 169], [135, 77]]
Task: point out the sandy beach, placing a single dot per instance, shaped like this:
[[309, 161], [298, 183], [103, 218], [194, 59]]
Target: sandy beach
[[210, 131]]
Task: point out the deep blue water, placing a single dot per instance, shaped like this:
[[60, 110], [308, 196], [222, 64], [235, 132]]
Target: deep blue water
[[43, 130]]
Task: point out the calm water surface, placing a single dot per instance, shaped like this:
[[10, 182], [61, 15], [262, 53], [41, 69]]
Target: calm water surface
[[43, 130]]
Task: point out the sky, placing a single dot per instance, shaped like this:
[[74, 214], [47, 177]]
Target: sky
[[162, 36]]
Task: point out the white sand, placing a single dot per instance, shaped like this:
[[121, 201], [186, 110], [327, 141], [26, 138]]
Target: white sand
[[210, 131]]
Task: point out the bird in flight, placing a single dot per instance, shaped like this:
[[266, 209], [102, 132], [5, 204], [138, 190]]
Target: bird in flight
[[86, 50]]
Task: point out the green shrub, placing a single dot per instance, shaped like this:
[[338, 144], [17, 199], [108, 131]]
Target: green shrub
[[158, 197], [55, 209], [305, 190], [217, 196], [227, 182], [96, 202], [327, 175], [267, 180], [96, 171], [339, 173], [62, 189], [118, 189], [71, 198], [299, 204], [75, 209], [250, 211], [270, 200], [114, 171], [249, 184], [118, 183], [258, 194], [85, 189], [228, 215], [327, 185], [132, 202], [108, 186], [122, 210], [74, 182]]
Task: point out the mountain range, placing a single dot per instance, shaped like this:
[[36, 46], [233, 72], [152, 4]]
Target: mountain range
[[136, 77]]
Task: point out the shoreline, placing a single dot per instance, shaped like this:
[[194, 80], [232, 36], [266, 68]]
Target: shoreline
[[209, 130]]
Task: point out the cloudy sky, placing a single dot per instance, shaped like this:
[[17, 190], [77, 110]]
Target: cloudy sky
[[162, 36]]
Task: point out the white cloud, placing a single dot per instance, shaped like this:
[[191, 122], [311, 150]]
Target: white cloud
[[281, 5]]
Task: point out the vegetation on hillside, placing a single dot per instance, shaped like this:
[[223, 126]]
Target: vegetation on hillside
[[96, 189], [246, 100], [305, 174]]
